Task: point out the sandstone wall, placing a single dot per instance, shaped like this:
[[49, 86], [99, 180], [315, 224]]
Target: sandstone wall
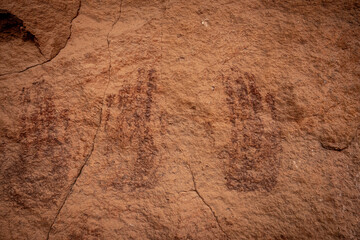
[[173, 119]]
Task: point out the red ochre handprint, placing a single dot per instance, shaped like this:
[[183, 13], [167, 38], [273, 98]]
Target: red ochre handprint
[[251, 163], [130, 125]]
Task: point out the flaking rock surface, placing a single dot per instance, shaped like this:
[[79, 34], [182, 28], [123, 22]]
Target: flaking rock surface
[[180, 119]]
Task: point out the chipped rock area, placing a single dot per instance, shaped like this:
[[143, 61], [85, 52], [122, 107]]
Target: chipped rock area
[[33, 32], [179, 119]]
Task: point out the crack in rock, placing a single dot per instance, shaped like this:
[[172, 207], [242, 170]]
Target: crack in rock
[[97, 130], [51, 58], [203, 200]]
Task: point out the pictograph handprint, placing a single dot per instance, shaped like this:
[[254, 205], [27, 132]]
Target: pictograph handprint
[[251, 163], [130, 126]]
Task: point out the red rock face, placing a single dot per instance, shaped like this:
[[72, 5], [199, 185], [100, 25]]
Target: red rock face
[[179, 120]]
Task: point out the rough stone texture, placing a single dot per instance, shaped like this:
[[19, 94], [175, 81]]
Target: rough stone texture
[[33, 31], [180, 119]]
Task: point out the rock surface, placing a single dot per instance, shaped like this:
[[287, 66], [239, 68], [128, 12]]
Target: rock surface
[[180, 119]]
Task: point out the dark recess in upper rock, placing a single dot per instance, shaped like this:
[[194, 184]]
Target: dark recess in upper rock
[[12, 27]]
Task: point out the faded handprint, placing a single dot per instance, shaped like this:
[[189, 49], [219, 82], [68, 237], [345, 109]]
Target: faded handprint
[[251, 162], [129, 125]]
